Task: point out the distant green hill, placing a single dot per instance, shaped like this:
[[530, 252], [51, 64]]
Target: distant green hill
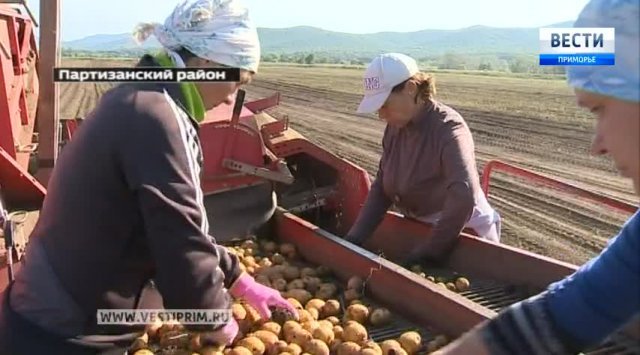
[[425, 43]]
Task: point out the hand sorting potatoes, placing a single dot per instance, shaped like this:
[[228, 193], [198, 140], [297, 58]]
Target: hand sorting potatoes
[[332, 319]]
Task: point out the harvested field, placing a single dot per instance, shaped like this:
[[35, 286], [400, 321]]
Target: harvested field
[[533, 123]]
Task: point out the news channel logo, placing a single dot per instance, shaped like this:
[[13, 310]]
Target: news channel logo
[[577, 46]]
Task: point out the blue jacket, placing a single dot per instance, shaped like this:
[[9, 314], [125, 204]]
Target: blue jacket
[[603, 294], [579, 311]]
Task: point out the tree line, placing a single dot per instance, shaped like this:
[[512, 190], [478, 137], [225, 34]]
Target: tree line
[[508, 63]]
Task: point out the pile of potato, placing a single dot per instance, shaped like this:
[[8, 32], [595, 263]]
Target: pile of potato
[[455, 284], [330, 321]]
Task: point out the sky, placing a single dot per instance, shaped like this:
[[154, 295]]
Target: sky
[[82, 18]]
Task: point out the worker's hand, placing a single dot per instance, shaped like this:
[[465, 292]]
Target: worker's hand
[[260, 296], [223, 336]]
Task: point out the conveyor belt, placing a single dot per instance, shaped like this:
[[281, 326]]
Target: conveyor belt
[[395, 328], [496, 296]]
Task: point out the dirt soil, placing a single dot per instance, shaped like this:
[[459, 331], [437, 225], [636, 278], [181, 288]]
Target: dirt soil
[[532, 123]]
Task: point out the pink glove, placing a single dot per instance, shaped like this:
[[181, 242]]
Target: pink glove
[[223, 336], [260, 296]]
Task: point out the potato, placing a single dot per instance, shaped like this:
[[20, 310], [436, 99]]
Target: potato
[[279, 284], [410, 341], [310, 326], [356, 283], [143, 352], [334, 320], [325, 324], [315, 314], [308, 271], [316, 347], [291, 273], [303, 296], [270, 247], [139, 343], [252, 314], [296, 284], [249, 244], [351, 295], [450, 286], [358, 313], [242, 267], [354, 332], [277, 259], [338, 331], [441, 284], [251, 270], [331, 308], [380, 316], [334, 345], [348, 348], [267, 337], [462, 284], [323, 333], [265, 262], [305, 316], [289, 326], [326, 291], [431, 278], [286, 248], [323, 271], [312, 284], [272, 327], [388, 345], [315, 303], [294, 349], [253, 344], [239, 350], [277, 348], [249, 261], [295, 303], [371, 347], [300, 336]]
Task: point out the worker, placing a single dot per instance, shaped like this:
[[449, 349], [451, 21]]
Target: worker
[[123, 225], [602, 296], [428, 167]]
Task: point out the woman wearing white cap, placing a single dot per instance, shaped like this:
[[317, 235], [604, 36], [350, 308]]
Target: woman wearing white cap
[[428, 166], [124, 205], [603, 296]]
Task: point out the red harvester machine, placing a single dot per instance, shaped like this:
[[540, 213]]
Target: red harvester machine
[[261, 176]]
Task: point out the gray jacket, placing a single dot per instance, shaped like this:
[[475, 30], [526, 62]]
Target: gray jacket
[[124, 205]]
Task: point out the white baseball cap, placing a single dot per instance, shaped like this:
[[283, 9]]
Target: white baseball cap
[[383, 73]]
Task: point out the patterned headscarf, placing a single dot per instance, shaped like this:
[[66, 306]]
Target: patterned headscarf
[[217, 30], [622, 80]]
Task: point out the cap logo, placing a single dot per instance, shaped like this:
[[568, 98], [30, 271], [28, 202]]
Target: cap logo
[[372, 83]]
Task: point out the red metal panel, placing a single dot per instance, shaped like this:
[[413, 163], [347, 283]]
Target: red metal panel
[[563, 186], [263, 104], [396, 236], [407, 294], [18, 186]]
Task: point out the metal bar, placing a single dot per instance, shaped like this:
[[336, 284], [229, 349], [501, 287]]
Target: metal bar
[[263, 104], [563, 186], [47, 117]]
